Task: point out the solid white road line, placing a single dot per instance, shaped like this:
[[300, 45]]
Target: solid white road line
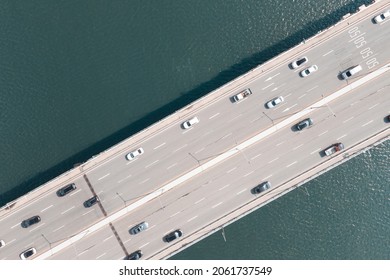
[[323, 133], [48, 207], [341, 137], [291, 164], [347, 120], [313, 152], [367, 123], [103, 177], [155, 148], [68, 210], [213, 116], [149, 165], [216, 205]]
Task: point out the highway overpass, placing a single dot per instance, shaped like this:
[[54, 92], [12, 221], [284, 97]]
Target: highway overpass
[[200, 179]]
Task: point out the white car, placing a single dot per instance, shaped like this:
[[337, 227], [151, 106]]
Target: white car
[[351, 71], [190, 122], [382, 17], [299, 62], [2, 243], [309, 70], [132, 155], [28, 253], [274, 102]]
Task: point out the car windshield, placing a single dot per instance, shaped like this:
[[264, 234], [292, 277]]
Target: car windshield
[[299, 62]]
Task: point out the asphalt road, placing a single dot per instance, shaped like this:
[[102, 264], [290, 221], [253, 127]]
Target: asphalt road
[[223, 124]]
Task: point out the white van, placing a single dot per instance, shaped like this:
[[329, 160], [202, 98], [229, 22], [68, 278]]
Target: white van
[[351, 71]]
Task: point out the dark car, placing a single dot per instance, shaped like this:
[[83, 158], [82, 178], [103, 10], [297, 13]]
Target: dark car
[[65, 190], [28, 253], [92, 201], [135, 255], [261, 188], [304, 124], [173, 235], [388, 118], [31, 221]]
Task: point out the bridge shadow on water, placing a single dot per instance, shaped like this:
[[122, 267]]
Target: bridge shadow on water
[[222, 78]]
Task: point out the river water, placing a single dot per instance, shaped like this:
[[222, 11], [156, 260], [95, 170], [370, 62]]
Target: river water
[[77, 77]]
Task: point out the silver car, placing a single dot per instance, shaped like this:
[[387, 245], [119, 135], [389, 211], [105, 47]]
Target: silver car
[[299, 62], [382, 17], [132, 155], [274, 102], [309, 70], [28, 253], [138, 228], [190, 122]]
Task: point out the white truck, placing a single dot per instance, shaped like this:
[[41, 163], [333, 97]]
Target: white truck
[[334, 148], [243, 94]]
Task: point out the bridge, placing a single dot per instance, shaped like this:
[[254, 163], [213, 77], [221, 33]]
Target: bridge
[[200, 179]]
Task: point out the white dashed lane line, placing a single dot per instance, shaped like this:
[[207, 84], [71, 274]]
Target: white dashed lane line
[[347, 120], [169, 167], [323, 133], [315, 151], [231, 170], [224, 187], [291, 164], [216, 205], [213, 116], [68, 210], [149, 165], [155, 148], [297, 147], [37, 227], [241, 191], [255, 156], [193, 218], [367, 123], [104, 176], [199, 200], [341, 137], [267, 86], [329, 52], [57, 229], [275, 159], [48, 207]]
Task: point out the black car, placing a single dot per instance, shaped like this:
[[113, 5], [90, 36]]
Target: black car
[[65, 190], [92, 201], [261, 188], [31, 221], [173, 235], [135, 255], [304, 124]]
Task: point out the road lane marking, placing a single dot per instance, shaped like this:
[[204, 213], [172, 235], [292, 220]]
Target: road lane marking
[[231, 170], [169, 167], [247, 174], [149, 165], [329, 52], [152, 227], [155, 148], [297, 147], [104, 240], [360, 35], [88, 212], [273, 160], [15, 225], [373, 106], [73, 193], [198, 151], [315, 151], [188, 129], [279, 144], [285, 110], [236, 117], [367, 123], [216, 205], [180, 148], [227, 135], [144, 181], [255, 156], [199, 200], [120, 181], [224, 187], [341, 137], [267, 86], [127, 241], [213, 116], [68, 210], [347, 120], [9, 242], [252, 121], [43, 210], [193, 218], [270, 78], [82, 253], [323, 133], [312, 89], [37, 227], [287, 95], [146, 244], [241, 191], [291, 164], [269, 176], [57, 229], [131, 161], [104, 176], [98, 257], [302, 96], [175, 214]]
